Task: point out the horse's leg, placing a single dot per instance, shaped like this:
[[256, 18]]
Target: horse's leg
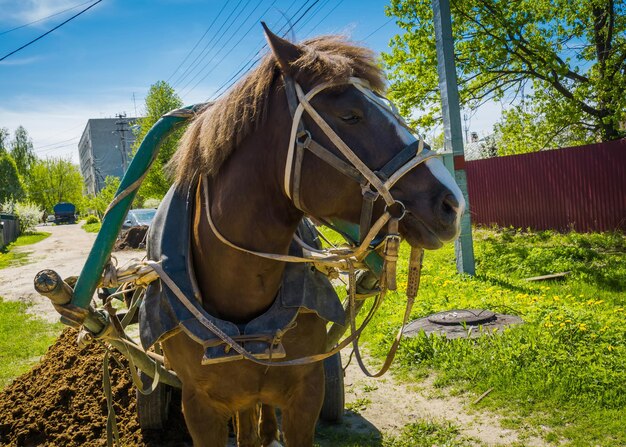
[[247, 427], [268, 426], [303, 409], [207, 424]]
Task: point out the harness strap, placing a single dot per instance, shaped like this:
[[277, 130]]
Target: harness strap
[[337, 257], [400, 159], [240, 349], [415, 268]]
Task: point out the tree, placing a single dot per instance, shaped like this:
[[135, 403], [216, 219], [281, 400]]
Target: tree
[[101, 201], [22, 151], [11, 187], [4, 140], [54, 180], [161, 99], [569, 55]]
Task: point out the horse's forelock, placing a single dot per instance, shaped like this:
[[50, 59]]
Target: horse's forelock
[[219, 129]]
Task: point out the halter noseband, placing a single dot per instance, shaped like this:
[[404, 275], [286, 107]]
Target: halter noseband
[[374, 184]]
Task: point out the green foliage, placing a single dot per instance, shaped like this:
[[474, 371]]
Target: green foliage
[[568, 55], [427, 433], [100, 202], [23, 340], [93, 227], [91, 219], [564, 367], [151, 203], [161, 99], [11, 186], [29, 215], [54, 180], [4, 140], [22, 151]]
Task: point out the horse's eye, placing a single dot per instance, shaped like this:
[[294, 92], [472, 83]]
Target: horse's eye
[[350, 118]]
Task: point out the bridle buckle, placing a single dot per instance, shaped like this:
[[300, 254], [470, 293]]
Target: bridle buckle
[[303, 139]]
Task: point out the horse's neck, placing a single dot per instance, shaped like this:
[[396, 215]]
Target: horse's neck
[[249, 209]]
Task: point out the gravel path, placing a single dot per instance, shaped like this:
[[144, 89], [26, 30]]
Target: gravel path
[[64, 251]]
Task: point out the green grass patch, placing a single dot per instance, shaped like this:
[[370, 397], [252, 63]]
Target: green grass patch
[[422, 433], [9, 258], [563, 369], [92, 227], [23, 340]]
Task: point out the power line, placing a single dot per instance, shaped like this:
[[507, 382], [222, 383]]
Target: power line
[[325, 17], [48, 32], [377, 29], [198, 42], [221, 48], [225, 86], [191, 67], [58, 142], [44, 18], [228, 52], [252, 57]]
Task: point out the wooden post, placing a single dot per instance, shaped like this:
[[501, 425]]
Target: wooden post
[[453, 158]]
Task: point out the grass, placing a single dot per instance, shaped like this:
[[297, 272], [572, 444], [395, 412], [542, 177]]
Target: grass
[[562, 374], [9, 258], [23, 340], [421, 433], [92, 227]]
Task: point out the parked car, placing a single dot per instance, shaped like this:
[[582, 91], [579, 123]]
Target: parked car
[[64, 212], [138, 217]]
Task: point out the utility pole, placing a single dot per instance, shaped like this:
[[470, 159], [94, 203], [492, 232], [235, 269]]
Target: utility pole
[[453, 155], [135, 104], [121, 124]]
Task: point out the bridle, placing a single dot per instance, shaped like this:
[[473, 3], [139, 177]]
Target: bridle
[[374, 184]]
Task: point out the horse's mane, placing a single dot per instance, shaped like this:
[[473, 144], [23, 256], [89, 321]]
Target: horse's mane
[[219, 129]]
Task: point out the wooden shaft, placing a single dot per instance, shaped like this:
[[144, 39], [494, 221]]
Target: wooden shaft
[[50, 284]]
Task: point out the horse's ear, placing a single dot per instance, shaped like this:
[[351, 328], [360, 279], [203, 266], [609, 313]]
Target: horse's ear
[[284, 51]]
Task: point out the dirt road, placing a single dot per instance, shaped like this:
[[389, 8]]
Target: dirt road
[[65, 251], [377, 406]]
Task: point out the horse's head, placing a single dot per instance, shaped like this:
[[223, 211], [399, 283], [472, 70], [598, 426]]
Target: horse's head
[[335, 88]]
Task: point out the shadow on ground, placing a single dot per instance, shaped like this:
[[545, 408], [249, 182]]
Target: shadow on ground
[[354, 431]]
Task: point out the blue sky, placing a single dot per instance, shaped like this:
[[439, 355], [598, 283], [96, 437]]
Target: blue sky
[[92, 66]]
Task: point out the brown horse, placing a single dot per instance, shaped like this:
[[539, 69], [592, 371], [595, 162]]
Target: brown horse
[[239, 147]]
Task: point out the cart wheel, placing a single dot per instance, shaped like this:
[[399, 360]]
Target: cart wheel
[[334, 397], [153, 409]]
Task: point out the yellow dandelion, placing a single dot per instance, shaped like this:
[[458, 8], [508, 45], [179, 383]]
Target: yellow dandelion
[[556, 298], [562, 325], [582, 327], [610, 348]]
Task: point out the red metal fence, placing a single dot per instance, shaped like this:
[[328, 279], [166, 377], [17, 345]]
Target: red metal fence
[[581, 188]]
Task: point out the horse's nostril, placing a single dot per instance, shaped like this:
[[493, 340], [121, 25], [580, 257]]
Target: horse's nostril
[[449, 209]]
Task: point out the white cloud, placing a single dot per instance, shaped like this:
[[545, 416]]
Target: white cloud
[[22, 61], [26, 11]]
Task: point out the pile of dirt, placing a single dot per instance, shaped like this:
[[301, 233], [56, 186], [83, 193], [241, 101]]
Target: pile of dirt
[[60, 402], [135, 237]]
